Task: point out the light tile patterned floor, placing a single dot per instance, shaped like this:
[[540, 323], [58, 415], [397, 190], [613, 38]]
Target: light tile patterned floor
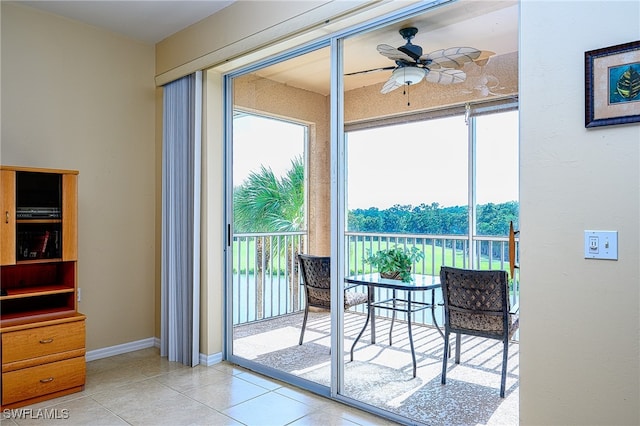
[[141, 388]]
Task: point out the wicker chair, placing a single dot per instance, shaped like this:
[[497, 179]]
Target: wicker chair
[[316, 277], [477, 303]]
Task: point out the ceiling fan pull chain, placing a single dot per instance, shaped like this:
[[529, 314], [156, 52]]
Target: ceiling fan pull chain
[[408, 95]]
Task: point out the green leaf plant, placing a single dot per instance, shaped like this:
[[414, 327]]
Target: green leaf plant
[[396, 262]]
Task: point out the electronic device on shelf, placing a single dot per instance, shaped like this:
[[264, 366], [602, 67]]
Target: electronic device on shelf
[[38, 213]]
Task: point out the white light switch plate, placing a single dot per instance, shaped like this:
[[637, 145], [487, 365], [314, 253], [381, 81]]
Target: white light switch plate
[[601, 245]]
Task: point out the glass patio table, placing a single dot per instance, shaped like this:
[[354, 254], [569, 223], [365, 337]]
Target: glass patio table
[[395, 304]]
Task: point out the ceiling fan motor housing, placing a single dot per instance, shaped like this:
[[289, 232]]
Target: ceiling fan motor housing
[[408, 33], [410, 49]]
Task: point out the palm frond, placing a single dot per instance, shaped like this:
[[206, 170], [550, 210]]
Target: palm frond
[[264, 203]]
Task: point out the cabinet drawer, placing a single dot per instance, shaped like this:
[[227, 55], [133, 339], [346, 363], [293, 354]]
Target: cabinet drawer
[[42, 380], [41, 341]]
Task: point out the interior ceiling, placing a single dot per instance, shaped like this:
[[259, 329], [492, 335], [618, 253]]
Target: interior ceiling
[[148, 21]]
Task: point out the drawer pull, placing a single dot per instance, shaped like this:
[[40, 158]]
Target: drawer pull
[[47, 380], [43, 341]]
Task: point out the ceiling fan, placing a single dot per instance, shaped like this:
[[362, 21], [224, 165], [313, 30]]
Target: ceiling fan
[[442, 66], [479, 82]]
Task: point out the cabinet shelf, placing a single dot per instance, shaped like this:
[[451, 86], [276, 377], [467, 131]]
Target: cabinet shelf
[[39, 274], [35, 291], [38, 261], [36, 221]]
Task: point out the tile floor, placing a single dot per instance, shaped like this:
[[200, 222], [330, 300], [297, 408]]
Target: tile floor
[[141, 388]]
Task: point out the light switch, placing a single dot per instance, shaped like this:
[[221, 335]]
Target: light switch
[[601, 245]]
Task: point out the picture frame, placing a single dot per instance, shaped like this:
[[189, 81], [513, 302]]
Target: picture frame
[[612, 85]]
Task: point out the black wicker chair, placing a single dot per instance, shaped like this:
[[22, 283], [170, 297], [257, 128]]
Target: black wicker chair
[[477, 303], [316, 277]]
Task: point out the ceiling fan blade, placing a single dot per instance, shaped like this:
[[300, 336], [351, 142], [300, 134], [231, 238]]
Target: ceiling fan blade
[[394, 54], [483, 58], [453, 57], [372, 70], [390, 85], [446, 76]]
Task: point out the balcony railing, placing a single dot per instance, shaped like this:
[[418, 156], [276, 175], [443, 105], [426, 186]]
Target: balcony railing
[[265, 275], [266, 282]]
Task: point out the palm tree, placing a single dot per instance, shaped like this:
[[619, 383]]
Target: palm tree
[[264, 203]]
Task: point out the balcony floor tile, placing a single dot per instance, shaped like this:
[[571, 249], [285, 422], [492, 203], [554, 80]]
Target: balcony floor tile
[[381, 374]]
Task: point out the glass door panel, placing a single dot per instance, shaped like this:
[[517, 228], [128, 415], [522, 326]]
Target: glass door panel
[[497, 189], [412, 196], [410, 174], [497, 176], [279, 131]]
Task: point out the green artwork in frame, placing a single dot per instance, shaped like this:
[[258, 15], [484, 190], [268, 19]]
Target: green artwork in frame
[[624, 83], [612, 85]]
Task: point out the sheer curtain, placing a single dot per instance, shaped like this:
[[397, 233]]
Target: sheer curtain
[[180, 280]]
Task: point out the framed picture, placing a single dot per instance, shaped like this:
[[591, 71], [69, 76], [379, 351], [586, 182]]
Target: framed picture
[[612, 85]]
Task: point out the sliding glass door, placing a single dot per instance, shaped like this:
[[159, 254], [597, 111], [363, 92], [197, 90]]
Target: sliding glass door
[[334, 150]]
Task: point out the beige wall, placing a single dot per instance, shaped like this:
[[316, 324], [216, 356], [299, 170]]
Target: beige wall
[[209, 36], [76, 97], [211, 297], [580, 324]]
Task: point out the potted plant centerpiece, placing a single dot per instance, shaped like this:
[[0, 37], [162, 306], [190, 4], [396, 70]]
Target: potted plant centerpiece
[[395, 263]]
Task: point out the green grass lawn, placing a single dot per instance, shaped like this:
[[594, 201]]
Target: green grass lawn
[[434, 258]]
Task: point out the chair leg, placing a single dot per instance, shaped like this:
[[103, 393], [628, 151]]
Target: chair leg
[[304, 323], [445, 356], [458, 340], [505, 356]]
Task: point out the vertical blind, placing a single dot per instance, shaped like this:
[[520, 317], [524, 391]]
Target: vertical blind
[[180, 274]]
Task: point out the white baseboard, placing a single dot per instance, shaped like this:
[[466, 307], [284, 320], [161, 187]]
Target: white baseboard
[[208, 360], [151, 342], [120, 349]]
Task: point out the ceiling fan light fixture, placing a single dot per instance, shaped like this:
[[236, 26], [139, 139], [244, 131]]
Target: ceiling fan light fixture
[[408, 75]]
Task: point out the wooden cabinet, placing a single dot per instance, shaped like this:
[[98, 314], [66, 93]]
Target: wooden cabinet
[[42, 332], [8, 219]]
